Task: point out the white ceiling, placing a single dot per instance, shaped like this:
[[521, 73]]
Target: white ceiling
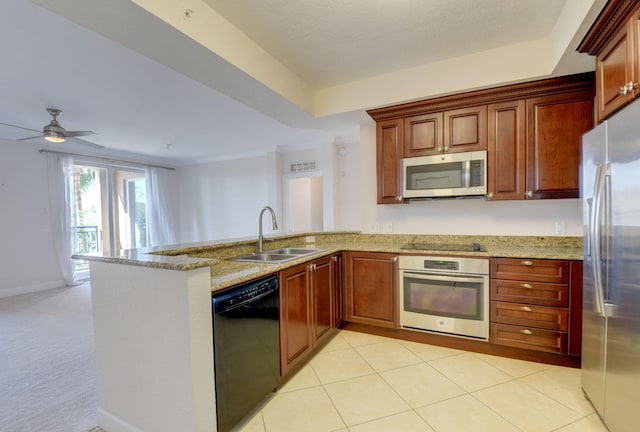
[[103, 82], [335, 41]]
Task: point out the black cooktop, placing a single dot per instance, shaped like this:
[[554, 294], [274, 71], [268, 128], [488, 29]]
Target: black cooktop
[[448, 247]]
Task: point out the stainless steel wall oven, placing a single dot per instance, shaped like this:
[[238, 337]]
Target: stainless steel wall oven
[[445, 294]]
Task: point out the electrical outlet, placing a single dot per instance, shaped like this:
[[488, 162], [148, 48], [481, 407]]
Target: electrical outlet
[[561, 227], [389, 228]]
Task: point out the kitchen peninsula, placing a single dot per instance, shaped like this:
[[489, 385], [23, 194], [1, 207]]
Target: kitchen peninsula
[[153, 318]]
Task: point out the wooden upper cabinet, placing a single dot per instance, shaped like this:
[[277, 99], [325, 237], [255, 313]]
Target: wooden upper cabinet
[[506, 150], [555, 126], [389, 141], [454, 131], [614, 38], [423, 135], [614, 70], [531, 132], [465, 129]]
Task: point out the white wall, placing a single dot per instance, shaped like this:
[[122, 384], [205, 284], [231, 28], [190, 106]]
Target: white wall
[[27, 260], [222, 199], [347, 188], [468, 216]]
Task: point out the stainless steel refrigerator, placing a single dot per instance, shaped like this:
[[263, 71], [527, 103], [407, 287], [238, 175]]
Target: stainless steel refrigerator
[[610, 193]]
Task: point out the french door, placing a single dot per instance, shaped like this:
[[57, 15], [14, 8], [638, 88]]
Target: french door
[[109, 209]]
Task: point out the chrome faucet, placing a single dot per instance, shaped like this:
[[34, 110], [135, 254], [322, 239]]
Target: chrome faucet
[[273, 223]]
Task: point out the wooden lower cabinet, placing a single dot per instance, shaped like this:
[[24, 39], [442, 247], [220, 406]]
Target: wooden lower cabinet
[[321, 285], [536, 304], [371, 293], [337, 263], [307, 308], [295, 316]]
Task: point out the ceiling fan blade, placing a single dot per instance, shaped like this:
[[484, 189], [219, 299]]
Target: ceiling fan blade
[[30, 138], [84, 142], [20, 127], [71, 134]]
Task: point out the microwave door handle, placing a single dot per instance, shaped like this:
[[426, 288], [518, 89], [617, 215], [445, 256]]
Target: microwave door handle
[[429, 276], [466, 176]]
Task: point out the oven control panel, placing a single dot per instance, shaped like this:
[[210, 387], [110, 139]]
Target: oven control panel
[[441, 265], [444, 264]]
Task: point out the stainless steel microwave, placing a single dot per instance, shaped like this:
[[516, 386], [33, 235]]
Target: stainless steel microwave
[[445, 175]]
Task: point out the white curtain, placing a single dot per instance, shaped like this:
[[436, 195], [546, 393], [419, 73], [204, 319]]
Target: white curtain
[[61, 201], [159, 220]]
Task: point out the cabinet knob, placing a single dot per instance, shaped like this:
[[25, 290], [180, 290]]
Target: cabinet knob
[[446, 148], [526, 331], [527, 263], [334, 258], [440, 149], [526, 285], [627, 88], [529, 194], [394, 259], [490, 195], [526, 308], [398, 198]]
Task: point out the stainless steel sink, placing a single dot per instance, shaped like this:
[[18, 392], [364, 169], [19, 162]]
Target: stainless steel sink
[[294, 251], [277, 255]]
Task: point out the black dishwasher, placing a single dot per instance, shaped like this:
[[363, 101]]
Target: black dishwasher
[[246, 348]]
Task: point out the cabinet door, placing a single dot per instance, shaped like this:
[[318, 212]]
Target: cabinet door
[[372, 294], [295, 317], [555, 127], [389, 155], [506, 151], [338, 289], [465, 129], [614, 70], [322, 301], [423, 135]]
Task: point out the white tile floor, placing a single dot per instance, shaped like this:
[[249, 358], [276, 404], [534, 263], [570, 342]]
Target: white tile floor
[[366, 383]]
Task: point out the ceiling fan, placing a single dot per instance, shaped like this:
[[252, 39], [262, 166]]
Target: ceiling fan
[[55, 133]]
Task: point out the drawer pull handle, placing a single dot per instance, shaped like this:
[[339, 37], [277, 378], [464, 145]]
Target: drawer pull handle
[[526, 308], [526, 285], [527, 263], [526, 331]]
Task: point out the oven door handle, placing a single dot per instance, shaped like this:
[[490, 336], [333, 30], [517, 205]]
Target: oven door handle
[[451, 278]]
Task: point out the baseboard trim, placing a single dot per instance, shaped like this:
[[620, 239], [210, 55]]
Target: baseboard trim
[[28, 289], [112, 423]]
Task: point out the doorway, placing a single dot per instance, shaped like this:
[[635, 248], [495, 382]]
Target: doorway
[[303, 205]]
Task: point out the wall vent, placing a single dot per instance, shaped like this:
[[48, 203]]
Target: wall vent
[[304, 166]]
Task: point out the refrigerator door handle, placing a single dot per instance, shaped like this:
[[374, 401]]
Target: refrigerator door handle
[[596, 236], [588, 240]]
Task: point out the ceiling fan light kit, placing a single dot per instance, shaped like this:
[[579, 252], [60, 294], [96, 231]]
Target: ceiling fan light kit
[[55, 133]]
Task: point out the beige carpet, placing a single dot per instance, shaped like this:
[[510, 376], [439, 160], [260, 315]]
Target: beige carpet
[[47, 362]]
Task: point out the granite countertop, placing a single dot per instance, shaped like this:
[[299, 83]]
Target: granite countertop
[[225, 273]]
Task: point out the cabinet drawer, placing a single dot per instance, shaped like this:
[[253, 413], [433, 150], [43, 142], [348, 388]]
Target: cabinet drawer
[[529, 315], [529, 338], [551, 271], [540, 293]]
